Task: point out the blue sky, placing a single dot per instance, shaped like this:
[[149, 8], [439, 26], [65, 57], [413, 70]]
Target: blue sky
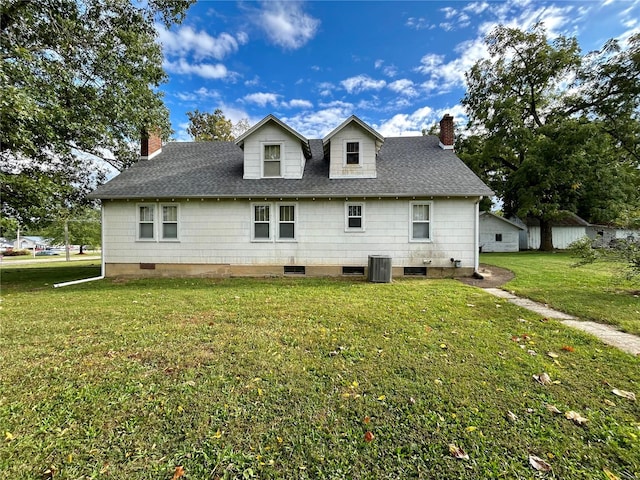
[[399, 66]]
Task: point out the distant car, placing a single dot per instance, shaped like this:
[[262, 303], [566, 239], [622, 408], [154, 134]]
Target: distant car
[[46, 253]]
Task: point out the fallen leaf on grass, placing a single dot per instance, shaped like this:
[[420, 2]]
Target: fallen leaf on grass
[[368, 437], [552, 355], [553, 408], [624, 394], [576, 417], [610, 475], [511, 416], [178, 472], [457, 452], [543, 379], [366, 419], [568, 348], [609, 402], [8, 436], [49, 473], [539, 464]]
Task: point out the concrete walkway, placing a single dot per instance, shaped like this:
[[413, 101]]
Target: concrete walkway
[[606, 333]]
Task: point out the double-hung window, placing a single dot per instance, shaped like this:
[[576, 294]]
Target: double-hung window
[[354, 213], [420, 221], [169, 222], [268, 218], [286, 222], [261, 222], [146, 226], [272, 160], [352, 152]]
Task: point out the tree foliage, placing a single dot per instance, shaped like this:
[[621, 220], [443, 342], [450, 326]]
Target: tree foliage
[[557, 131], [78, 77], [83, 227], [214, 127]]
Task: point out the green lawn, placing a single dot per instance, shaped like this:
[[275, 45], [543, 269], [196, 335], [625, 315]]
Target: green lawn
[[284, 378], [599, 292]]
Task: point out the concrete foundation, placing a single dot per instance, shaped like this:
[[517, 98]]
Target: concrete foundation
[[169, 270]]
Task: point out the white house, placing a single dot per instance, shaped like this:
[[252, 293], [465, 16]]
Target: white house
[[497, 234], [30, 243], [274, 202]]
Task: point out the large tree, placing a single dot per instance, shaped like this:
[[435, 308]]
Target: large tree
[[79, 79], [210, 127], [547, 140]]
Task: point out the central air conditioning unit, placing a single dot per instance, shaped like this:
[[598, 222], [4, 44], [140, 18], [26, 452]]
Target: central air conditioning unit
[[379, 268]]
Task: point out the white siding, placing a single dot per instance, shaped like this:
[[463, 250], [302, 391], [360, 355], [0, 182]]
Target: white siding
[[219, 232], [562, 236], [490, 227], [367, 167], [292, 157]]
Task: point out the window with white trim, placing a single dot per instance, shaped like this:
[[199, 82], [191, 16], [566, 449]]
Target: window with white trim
[[420, 221], [272, 160], [354, 217], [261, 222], [146, 225], [169, 222], [286, 222], [352, 153]]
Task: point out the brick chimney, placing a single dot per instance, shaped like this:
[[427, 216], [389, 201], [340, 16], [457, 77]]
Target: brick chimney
[[446, 132], [150, 144]]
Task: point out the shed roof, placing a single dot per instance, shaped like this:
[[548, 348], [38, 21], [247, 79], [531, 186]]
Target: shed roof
[[565, 219], [505, 220]]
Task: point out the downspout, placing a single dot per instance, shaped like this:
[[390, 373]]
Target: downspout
[[102, 262], [476, 233]]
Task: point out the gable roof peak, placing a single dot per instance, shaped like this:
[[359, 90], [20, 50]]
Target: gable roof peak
[[265, 120], [349, 120], [272, 118]]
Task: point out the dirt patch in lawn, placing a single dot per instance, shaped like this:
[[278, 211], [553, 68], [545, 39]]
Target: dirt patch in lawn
[[494, 277]]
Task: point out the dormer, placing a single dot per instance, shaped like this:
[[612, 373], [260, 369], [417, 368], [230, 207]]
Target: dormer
[[352, 149], [272, 149]]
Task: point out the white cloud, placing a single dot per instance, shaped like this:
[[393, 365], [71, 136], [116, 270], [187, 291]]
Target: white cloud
[[203, 70], [360, 83], [185, 40], [200, 94], [476, 7], [404, 87], [338, 104], [444, 76], [325, 89], [253, 82], [286, 24], [262, 99], [449, 12], [407, 124], [378, 64], [318, 124], [298, 103], [419, 23]]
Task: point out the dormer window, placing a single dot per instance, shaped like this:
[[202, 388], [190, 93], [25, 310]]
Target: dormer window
[[352, 150], [272, 159]]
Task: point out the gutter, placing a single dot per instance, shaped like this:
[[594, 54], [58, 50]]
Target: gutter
[[102, 263]]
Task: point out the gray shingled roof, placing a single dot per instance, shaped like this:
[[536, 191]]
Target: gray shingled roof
[[406, 166]]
